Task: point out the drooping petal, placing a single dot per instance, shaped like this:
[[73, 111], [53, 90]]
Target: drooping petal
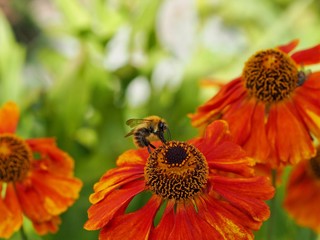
[[115, 178], [307, 102], [182, 228], [302, 196], [246, 194], [136, 225], [213, 108], [202, 229], [287, 48], [308, 56], [9, 117], [58, 193], [32, 202], [225, 223], [258, 134], [50, 226], [288, 134], [11, 214], [51, 158], [102, 212], [164, 228]]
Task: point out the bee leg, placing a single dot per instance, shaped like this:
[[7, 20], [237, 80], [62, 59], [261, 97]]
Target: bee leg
[[149, 146]]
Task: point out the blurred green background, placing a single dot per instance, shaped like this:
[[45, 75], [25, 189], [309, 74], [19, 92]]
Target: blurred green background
[[79, 69]]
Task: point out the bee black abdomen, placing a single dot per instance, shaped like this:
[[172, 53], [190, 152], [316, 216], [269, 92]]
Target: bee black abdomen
[[140, 137]]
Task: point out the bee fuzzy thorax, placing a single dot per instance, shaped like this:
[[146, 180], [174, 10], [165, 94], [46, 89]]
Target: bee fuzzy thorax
[[146, 130]]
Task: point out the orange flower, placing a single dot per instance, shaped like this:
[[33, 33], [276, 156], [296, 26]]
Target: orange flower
[[274, 106], [303, 195], [206, 184], [36, 179]]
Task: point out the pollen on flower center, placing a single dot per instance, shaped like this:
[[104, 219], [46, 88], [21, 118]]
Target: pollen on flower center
[[176, 170], [15, 158], [270, 75]]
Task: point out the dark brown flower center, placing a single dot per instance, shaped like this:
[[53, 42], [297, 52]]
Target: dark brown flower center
[[176, 170], [15, 158], [315, 165], [270, 75]]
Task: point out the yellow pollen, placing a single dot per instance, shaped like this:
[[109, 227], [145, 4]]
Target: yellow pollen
[[176, 170], [15, 156], [270, 76]]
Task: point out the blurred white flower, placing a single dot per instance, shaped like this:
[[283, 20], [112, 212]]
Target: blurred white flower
[[117, 50], [176, 27], [138, 91]]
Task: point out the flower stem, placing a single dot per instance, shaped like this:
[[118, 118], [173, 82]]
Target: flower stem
[[23, 234], [272, 219]]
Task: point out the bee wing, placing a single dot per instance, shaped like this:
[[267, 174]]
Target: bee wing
[[135, 122], [129, 133]]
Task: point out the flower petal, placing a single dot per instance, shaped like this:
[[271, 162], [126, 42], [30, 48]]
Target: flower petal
[[102, 212], [246, 194], [258, 134], [221, 152], [225, 223], [115, 178], [138, 223], [212, 109], [301, 207], [296, 143], [11, 214], [58, 193], [308, 56], [307, 102], [52, 158], [164, 228], [9, 117], [289, 46], [133, 157], [182, 228], [50, 226]]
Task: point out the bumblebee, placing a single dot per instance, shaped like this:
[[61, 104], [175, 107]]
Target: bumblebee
[[147, 129]]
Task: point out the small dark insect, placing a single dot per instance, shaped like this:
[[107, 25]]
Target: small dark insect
[[302, 77], [147, 129]]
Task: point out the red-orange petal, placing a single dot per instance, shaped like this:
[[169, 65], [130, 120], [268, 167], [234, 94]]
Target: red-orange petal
[[58, 193], [308, 56], [164, 228], [182, 228], [136, 225], [31, 202], [101, 213], [11, 214], [307, 102], [114, 179], [225, 223], [221, 152], [52, 158], [247, 194], [202, 229], [289, 46], [258, 134], [302, 196], [133, 157], [50, 226], [213, 108], [9, 117], [296, 143]]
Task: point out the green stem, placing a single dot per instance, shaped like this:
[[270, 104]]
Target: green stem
[[272, 219], [23, 234]]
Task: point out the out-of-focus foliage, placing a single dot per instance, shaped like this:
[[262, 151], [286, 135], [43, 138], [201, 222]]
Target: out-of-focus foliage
[[80, 68]]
